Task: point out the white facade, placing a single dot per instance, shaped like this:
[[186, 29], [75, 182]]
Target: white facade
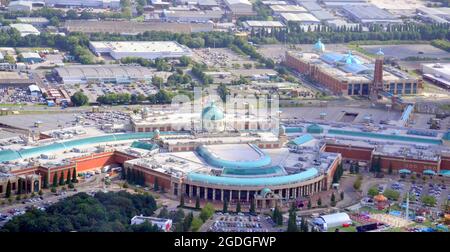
[[147, 50]]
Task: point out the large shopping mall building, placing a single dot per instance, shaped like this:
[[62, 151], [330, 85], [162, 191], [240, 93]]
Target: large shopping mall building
[[233, 158]]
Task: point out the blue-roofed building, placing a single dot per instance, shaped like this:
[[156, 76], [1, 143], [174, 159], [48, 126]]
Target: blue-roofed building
[[347, 74]]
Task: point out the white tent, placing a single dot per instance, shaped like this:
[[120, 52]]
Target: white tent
[[334, 220]]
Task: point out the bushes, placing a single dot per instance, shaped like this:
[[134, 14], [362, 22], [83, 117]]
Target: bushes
[[442, 44], [196, 224], [391, 194]]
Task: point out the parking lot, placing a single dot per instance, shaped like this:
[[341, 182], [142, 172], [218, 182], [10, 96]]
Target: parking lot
[[418, 190], [220, 57], [20, 95], [95, 90], [239, 223]]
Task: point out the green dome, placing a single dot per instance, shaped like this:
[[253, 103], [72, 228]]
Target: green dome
[[212, 113], [265, 191], [319, 46]]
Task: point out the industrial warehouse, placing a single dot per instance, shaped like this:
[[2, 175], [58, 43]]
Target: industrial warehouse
[[101, 73], [147, 50]]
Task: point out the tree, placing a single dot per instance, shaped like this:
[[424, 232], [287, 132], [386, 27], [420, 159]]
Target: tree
[[238, 207], [196, 224], [8, 190], [390, 168], [292, 222], [309, 204], [391, 194], [373, 191], [429, 200], [357, 184], [225, 206], [74, 176], [79, 99], [333, 199], [55, 180], [45, 182], [207, 212], [164, 213], [185, 61], [182, 200], [68, 177], [157, 81], [188, 221], [156, 186], [319, 202], [197, 202], [252, 207], [124, 174], [277, 216], [303, 225], [61, 178], [342, 195]]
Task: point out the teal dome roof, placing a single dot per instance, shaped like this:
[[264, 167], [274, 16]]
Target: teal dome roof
[[380, 53], [212, 113], [350, 59], [156, 131], [319, 46], [265, 191]]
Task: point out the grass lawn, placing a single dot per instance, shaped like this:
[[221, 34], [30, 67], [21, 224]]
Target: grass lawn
[[343, 229]]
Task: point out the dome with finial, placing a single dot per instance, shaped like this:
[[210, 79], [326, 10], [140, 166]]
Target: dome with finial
[[380, 52], [212, 112], [319, 46], [350, 59]]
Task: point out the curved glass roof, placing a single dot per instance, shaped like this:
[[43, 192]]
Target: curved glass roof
[[354, 68], [252, 181], [10, 155], [213, 160], [275, 170], [385, 136]]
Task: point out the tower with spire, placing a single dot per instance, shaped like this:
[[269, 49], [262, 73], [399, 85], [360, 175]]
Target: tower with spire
[[377, 84]]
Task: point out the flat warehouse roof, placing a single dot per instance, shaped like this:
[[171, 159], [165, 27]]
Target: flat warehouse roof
[[368, 12], [139, 46], [256, 23], [100, 71]]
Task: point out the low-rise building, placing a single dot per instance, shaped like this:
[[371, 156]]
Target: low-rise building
[[438, 73], [143, 49], [25, 29]]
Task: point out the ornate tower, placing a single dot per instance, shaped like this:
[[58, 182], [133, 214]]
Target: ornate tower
[[377, 84]]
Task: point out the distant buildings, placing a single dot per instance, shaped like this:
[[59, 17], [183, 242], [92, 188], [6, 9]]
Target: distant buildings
[[300, 18], [256, 25], [112, 4], [25, 29], [369, 14], [101, 73], [20, 6], [434, 15], [438, 73], [31, 57], [131, 27], [239, 7], [35, 21], [143, 49]]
